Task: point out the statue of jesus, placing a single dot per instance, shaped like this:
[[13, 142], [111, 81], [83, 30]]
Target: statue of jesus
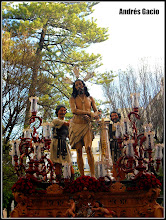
[[80, 128]]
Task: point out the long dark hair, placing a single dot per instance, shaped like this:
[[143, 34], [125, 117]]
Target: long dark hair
[[75, 92]]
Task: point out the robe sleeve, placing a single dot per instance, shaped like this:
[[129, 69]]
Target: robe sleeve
[[57, 123]]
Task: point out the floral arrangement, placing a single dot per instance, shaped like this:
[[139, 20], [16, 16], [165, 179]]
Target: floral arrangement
[[145, 182], [86, 182], [27, 185]]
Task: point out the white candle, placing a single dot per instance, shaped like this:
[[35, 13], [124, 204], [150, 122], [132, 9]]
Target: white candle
[[27, 133], [33, 101], [129, 148], [134, 97], [37, 152], [67, 170], [47, 130], [125, 127], [158, 152], [101, 169], [149, 140], [15, 147]]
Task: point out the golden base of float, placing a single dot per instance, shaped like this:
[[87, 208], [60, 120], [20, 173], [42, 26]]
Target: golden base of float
[[55, 203]]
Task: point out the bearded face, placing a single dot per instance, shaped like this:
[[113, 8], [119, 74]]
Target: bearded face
[[81, 91], [80, 87], [114, 117]]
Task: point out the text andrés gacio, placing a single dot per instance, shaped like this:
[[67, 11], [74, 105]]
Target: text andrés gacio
[[138, 11]]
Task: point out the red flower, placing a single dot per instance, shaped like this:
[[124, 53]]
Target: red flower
[[86, 181], [25, 184]]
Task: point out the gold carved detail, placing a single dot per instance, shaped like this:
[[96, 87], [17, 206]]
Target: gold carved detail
[[121, 202], [21, 208], [54, 189], [153, 193], [117, 187], [153, 207]]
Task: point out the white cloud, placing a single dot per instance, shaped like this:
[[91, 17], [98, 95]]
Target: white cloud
[[131, 37]]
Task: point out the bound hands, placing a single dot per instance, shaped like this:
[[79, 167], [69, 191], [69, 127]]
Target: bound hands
[[92, 115], [87, 118], [96, 115]]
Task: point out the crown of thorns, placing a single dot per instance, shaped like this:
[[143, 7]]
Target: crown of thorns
[[77, 76]]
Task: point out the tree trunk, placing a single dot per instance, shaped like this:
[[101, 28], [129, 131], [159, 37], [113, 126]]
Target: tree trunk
[[35, 68]]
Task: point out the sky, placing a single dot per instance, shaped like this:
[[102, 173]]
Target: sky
[[131, 36]]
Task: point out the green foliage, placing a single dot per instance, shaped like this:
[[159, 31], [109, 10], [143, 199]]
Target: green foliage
[[76, 172], [65, 26], [54, 36], [9, 177], [105, 78]]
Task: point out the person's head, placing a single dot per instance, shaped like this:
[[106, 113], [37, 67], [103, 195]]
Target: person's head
[[98, 204], [79, 88], [71, 200], [115, 117], [60, 111]]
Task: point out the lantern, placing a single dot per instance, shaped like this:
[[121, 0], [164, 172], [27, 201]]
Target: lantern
[[47, 130], [129, 148], [101, 169], [158, 152], [125, 126], [15, 149], [27, 133], [37, 151], [67, 170], [33, 101], [149, 140], [134, 97]]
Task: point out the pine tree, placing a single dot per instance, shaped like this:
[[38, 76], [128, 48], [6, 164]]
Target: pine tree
[[60, 32]]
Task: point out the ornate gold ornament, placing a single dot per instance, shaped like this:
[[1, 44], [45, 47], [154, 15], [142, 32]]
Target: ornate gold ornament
[[117, 187], [54, 189]]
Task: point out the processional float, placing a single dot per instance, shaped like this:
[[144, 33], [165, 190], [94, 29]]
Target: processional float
[[30, 157]]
